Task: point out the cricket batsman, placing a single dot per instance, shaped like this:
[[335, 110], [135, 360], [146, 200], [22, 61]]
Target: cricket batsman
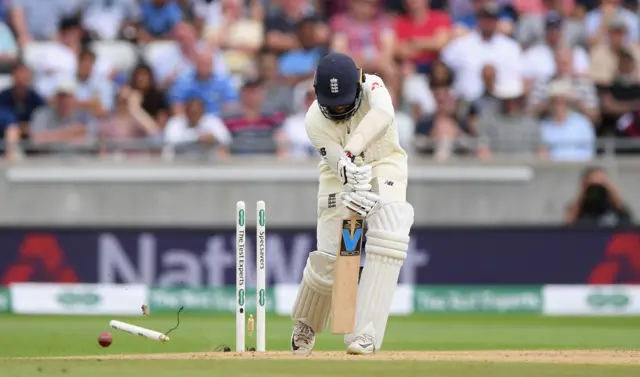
[[363, 171]]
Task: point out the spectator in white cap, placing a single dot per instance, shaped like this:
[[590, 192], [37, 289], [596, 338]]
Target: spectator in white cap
[[509, 131], [62, 122], [568, 135], [586, 96]]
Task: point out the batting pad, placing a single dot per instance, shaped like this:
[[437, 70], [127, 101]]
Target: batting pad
[[386, 248], [313, 303]]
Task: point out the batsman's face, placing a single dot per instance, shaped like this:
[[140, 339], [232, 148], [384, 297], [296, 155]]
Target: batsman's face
[[340, 109]]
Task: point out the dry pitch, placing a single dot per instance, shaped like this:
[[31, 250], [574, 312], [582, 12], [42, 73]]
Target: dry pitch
[[601, 357]]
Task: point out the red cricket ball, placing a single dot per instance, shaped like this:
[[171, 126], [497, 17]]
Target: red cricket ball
[[105, 339]]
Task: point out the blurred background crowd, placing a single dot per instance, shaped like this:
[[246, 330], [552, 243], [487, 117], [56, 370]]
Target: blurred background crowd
[[551, 79]]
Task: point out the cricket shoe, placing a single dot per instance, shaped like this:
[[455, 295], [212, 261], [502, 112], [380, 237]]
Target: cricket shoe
[[302, 339], [363, 344]]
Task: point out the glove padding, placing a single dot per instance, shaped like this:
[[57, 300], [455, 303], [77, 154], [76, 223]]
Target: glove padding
[[353, 177], [360, 202]]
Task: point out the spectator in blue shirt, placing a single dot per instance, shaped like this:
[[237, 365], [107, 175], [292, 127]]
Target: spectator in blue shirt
[[21, 99], [568, 135], [159, 17], [298, 65], [217, 92]]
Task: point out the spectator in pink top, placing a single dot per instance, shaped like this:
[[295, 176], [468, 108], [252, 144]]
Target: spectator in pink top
[[129, 122], [422, 33], [366, 34]]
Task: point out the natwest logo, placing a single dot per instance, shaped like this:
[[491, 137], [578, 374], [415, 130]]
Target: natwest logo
[[156, 260], [40, 259]]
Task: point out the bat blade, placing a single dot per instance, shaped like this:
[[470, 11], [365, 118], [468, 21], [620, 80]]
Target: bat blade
[[345, 276]]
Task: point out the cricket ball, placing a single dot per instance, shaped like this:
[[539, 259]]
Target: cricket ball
[[105, 339]]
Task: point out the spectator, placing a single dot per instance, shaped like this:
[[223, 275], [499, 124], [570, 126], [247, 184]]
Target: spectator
[[367, 35], [94, 94], [154, 101], [217, 92], [586, 96], [468, 20], [128, 123], [112, 18], [61, 123], [597, 22], [59, 61], [282, 28], [468, 55], [279, 95], [8, 48], [568, 135], [196, 132], [539, 61], [300, 64], [39, 20], [171, 65], [621, 100], [443, 128], [440, 74], [509, 130], [21, 100], [422, 33], [254, 130], [487, 103], [416, 92], [604, 56], [531, 24], [159, 17], [295, 132], [598, 203], [232, 27]]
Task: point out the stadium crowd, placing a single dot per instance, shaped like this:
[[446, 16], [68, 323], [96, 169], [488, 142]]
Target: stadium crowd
[[543, 78]]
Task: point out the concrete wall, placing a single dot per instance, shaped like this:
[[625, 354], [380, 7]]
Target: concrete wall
[[197, 193]]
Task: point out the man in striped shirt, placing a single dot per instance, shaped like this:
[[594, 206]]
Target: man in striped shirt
[[254, 130]]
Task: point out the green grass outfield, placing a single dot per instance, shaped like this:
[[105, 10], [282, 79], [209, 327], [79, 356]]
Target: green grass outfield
[[31, 337]]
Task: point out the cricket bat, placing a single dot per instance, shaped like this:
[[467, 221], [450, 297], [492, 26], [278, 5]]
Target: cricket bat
[[345, 276]]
